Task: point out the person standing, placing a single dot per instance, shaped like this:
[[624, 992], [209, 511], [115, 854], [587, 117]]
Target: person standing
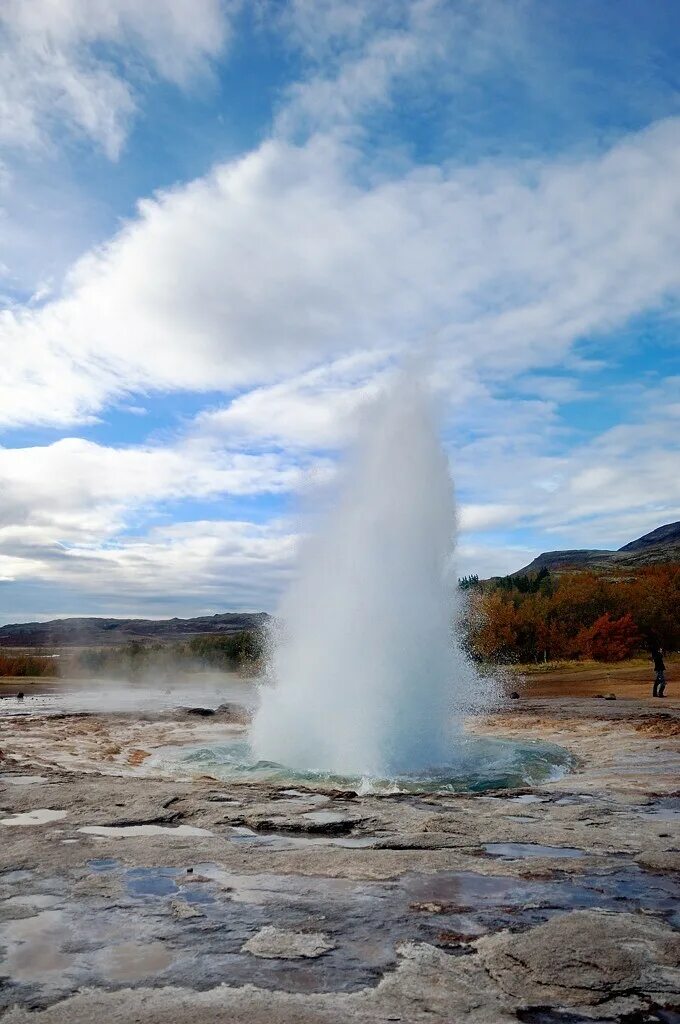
[[659, 672]]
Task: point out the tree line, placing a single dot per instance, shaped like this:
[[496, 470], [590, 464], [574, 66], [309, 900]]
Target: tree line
[[230, 652], [579, 615]]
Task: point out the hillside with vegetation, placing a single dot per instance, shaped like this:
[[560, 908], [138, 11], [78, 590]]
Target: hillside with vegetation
[[577, 615], [658, 547], [101, 632]]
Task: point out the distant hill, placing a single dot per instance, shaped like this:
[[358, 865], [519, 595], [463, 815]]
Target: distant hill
[[93, 632], [661, 545]]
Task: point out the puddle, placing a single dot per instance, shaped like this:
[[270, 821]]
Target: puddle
[[327, 817], [23, 780], [90, 940], [134, 961], [528, 798], [40, 901], [545, 1015], [505, 901], [33, 947], [15, 876], [514, 850], [136, 831], [665, 809], [151, 881], [278, 841], [40, 817], [103, 864]]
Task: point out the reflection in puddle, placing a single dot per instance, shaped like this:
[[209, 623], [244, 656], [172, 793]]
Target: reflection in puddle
[[33, 946], [134, 961], [139, 831], [512, 850], [40, 817], [325, 817], [151, 881], [22, 780], [102, 864], [665, 809], [278, 841]]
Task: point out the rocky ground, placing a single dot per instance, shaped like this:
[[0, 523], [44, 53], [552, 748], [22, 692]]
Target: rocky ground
[[129, 896]]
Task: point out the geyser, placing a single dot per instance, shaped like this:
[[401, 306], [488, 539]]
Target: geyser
[[366, 676]]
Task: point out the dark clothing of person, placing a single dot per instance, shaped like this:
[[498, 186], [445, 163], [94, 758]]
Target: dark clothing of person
[[659, 685], [660, 676]]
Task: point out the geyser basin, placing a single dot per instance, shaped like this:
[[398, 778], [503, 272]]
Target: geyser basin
[[476, 765]]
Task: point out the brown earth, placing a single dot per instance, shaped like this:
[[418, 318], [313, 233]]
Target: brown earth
[[628, 680]]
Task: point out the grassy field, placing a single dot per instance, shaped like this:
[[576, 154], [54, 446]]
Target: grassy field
[[627, 679]]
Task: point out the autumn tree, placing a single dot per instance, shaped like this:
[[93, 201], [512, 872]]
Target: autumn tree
[[608, 639]]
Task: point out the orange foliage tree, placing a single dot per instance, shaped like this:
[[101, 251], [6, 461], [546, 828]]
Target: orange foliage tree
[[575, 615], [609, 639]]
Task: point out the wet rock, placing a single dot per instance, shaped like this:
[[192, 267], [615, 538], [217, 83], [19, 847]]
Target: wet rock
[[156, 819], [233, 713], [184, 911], [585, 959], [277, 943], [200, 712], [432, 907], [659, 860], [292, 824]]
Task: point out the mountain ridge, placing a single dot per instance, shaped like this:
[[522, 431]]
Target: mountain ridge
[[90, 631], [653, 548]]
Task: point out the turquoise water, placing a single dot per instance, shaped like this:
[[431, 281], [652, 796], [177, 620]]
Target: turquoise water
[[477, 765]]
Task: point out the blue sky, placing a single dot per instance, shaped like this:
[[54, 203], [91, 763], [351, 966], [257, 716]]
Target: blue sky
[[225, 223]]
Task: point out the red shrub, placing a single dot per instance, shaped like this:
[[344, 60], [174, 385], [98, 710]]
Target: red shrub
[[608, 639]]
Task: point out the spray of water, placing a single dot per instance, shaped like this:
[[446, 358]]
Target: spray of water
[[367, 676]]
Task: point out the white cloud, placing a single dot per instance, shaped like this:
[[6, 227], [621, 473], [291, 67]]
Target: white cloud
[[75, 495], [359, 54], [53, 72], [89, 520], [317, 409], [180, 569], [278, 261], [601, 492], [292, 278], [484, 517]]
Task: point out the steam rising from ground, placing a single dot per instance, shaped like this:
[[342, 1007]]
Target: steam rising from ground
[[368, 678]]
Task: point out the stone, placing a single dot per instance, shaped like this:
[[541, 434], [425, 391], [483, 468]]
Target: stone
[[584, 958], [185, 911], [278, 943]]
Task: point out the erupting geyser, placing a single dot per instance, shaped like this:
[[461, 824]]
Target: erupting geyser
[[367, 676]]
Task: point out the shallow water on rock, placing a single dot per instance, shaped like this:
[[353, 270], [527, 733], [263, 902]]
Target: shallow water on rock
[[511, 851], [192, 923], [478, 764]]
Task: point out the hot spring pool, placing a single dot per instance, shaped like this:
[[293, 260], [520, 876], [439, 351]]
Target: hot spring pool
[[478, 764]]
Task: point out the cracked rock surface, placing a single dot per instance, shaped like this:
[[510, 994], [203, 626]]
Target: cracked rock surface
[[127, 894]]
